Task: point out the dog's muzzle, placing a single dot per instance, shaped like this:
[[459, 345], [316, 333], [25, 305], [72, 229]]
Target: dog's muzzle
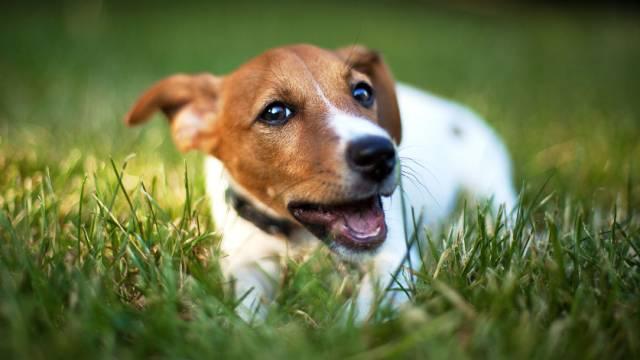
[[357, 222]]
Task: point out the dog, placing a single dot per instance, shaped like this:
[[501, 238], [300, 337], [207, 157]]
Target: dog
[[306, 145]]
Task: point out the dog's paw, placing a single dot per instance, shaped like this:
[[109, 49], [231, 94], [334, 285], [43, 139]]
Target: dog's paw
[[253, 313]]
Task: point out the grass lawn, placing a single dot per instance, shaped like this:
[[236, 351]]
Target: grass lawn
[[104, 254]]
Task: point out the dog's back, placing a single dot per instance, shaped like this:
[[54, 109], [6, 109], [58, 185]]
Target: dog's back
[[446, 149]]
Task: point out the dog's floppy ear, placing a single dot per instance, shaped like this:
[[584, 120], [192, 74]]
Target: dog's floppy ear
[[190, 102], [370, 63]]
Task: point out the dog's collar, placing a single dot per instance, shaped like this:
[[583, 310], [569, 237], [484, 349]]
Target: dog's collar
[[260, 219]]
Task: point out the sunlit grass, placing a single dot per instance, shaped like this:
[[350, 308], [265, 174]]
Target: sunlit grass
[[118, 273]]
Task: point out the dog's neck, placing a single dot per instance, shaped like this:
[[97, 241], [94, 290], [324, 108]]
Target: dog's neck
[[263, 221]]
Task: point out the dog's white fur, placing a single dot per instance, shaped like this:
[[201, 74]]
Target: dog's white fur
[[445, 148]]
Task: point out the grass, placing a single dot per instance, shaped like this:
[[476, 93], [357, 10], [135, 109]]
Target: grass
[[104, 254]]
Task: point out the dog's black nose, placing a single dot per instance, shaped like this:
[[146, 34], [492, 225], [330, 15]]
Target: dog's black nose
[[372, 156]]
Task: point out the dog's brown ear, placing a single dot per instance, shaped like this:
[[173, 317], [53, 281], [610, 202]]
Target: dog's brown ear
[[190, 102], [370, 63]]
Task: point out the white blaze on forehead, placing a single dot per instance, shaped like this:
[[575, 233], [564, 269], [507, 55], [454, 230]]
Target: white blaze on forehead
[[347, 126], [350, 127]]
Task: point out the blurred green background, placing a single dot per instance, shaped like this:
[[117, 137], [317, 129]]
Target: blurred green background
[[560, 85]]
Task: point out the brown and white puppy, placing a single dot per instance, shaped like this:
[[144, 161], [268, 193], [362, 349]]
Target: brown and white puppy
[[302, 145]]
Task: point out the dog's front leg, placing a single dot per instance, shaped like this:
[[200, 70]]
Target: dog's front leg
[[254, 285], [388, 280], [251, 261], [386, 283]]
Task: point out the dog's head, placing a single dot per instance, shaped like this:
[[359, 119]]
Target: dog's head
[[306, 132]]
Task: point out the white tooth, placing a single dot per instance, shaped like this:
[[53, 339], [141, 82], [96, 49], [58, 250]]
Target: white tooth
[[373, 233]]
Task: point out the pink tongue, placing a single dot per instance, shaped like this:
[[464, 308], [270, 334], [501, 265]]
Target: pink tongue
[[364, 221]]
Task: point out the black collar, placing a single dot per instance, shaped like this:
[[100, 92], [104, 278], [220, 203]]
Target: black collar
[[251, 213]]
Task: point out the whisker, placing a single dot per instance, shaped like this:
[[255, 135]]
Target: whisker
[[414, 176], [414, 161], [419, 184], [433, 175]]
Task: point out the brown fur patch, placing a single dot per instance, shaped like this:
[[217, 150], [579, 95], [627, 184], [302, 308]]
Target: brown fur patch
[[276, 164]]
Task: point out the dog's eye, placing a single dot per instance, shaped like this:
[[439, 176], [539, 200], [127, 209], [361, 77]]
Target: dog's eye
[[363, 93], [276, 113]]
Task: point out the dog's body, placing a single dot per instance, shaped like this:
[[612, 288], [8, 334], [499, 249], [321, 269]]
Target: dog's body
[[304, 189], [446, 151]]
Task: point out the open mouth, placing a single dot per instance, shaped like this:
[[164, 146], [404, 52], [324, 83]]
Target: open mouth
[[357, 225]]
